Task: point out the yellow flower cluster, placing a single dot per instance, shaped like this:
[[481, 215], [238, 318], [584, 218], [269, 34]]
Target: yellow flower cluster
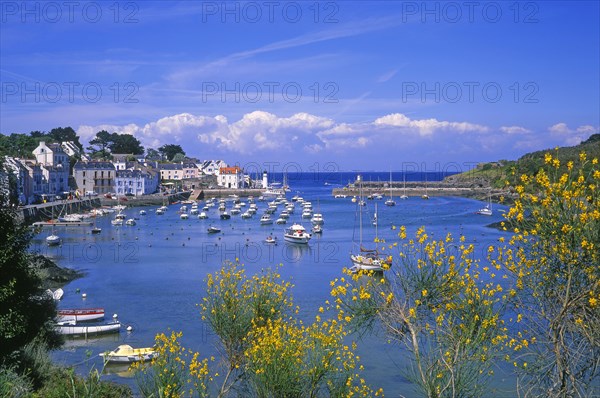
[[552, 261], [435, 301], [172, 370]]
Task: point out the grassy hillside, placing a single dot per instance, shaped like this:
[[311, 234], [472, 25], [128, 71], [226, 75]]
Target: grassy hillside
[[495, 174]]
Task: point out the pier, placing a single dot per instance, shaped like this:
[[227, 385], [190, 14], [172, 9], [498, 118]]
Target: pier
[[420, 188], [62, 224]]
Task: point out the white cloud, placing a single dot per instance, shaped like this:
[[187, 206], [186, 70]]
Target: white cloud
[[427, 127], [587, 129], [572, 137], [515, 130], [254, 132], [265, 136], [560, 128]]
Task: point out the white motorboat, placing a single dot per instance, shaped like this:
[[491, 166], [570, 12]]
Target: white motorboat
[[280, 221], [225, 216], [270, 239], [247, 214], [317, 229], [213, 230], [131, 222], [72, 328], [202, 216], [266, 219], [142, 212], [317, 219], [296, 234], [184, 216], [119, 219]]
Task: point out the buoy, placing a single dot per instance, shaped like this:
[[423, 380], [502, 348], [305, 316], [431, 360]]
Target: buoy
[[129, 328], [83, 295], [115, 316]]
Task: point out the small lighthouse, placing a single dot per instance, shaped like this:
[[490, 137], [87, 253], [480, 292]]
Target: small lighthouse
[[265, 180]]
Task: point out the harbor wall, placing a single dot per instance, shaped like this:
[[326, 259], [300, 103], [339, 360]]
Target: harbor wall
[[419, 188], [158, 199], [200, 194], [46, 211]]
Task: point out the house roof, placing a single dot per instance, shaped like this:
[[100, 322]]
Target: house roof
[[170, 166], [101, 165], [230, 170]]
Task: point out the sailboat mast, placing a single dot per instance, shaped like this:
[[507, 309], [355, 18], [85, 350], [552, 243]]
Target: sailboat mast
[[360, 198], [376, 223], [390, 184]]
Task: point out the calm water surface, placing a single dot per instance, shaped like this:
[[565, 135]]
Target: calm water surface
[[152, 275]]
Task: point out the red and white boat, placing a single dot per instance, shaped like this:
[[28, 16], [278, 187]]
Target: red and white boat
[[80, 315]]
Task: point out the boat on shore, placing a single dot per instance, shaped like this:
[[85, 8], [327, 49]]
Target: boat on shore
[[72, 328], [56, 295], [80, 314], [127, 354]]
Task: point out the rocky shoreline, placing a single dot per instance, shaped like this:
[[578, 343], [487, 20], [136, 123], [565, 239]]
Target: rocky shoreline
[[51, 275]]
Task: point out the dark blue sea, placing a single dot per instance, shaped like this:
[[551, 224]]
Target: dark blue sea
[[152, 275]]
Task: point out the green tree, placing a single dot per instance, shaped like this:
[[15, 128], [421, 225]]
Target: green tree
[[61, 134], [170, 150], [100, 144], [19, 145], [26, 311], [125, 143], [179, 157], [152, 154]]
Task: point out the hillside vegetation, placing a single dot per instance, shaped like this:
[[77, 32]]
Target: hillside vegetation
[[496, 174]]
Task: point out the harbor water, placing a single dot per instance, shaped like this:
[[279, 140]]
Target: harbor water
[[152, 274]]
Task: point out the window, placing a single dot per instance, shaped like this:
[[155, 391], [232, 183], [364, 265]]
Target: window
[[84, 174]]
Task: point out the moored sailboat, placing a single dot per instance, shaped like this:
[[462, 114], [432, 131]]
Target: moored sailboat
[[364, 259]]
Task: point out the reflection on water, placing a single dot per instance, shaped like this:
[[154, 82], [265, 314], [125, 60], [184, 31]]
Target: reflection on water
[[118, 369]]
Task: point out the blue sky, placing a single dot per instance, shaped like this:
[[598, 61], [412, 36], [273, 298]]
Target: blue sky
[[366, 85]]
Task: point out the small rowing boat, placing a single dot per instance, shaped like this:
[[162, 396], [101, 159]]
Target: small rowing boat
[[80, 314]]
